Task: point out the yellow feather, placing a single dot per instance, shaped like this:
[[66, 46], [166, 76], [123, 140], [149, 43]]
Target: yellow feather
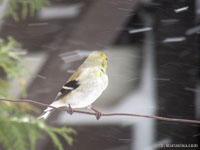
[[96, 58]]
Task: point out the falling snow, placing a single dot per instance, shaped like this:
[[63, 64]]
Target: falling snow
[[140, 30], [153, 67], [174, 39], [179, 10]]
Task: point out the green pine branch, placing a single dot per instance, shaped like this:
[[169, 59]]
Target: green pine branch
[[21, 9], [14, 132], [10, 61], [18, 129], [11, 64]]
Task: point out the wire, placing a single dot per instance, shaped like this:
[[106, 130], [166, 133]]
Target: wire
[[104, 114]]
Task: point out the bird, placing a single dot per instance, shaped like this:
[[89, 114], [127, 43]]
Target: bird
[[84, 86]]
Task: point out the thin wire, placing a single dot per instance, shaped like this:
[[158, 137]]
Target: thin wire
[[103, 114]]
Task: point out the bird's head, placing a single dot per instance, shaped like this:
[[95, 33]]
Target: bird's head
[[98, 58]]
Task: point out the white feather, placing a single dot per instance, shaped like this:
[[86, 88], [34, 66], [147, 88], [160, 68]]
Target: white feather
[[44, 115], [49, 110]]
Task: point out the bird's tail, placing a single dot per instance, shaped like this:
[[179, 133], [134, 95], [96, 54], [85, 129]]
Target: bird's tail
[[46, 113], [49, 110]]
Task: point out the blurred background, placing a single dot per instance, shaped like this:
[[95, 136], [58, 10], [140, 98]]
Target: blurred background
[[153, 67]]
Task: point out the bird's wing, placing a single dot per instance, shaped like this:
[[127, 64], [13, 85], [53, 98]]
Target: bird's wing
[[71, 84], [67, 88]]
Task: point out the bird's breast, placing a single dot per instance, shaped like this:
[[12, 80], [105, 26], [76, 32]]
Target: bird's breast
[[88, 91]]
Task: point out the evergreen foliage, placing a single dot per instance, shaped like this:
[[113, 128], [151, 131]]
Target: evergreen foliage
[[21, 9], [11, 64], [18, 129]]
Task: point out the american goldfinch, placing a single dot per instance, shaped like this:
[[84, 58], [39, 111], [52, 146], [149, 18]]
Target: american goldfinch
[[84, 86]]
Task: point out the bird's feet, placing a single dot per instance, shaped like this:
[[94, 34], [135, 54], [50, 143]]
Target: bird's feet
[[70, 110], [97, 113]]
